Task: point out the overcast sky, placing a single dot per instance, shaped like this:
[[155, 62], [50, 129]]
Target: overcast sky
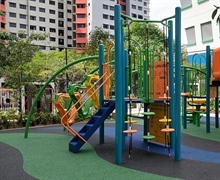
[[160, 9]]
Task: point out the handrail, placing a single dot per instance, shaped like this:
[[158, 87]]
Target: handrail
[[68, 126]]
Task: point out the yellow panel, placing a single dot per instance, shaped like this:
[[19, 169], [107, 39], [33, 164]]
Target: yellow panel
[[155, 126]]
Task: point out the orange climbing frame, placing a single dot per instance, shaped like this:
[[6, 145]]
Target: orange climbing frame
[[216, 64]]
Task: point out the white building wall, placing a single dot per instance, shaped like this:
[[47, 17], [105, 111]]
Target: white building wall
[[194, 16], [96, 13]]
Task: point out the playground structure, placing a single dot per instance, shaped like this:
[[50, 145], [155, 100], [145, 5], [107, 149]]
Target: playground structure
[[149, 94]]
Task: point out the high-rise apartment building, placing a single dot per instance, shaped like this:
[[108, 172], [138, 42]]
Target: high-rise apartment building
[[2, 18], [69, 22]]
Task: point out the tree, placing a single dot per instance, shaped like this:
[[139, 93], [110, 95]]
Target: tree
[[52, 61], [2, 13], [16, 53], [214, 13], [97, 36]]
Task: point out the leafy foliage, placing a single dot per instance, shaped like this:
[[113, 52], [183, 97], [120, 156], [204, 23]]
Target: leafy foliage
[[214, 13], [2, 13], [97, 36], [16, 54]]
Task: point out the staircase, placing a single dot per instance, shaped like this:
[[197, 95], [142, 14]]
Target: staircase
[[92, 125]]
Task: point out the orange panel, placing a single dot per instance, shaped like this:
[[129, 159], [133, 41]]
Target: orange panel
[[216, 64], [81, 1], [160, 79], [2, 19], [81, 40]]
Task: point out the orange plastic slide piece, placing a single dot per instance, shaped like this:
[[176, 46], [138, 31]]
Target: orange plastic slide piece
[[216, 64], [63, 112]]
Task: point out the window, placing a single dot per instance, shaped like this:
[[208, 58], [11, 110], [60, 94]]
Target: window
[[11, 14], [69, 2], [81, 5], [60, 5], [52, 30], [69, 11], [22, 6], [2, 2], [33, 0], [81, 25], [12, 4], [81, 45], [69, 37], [42, 1], [61, 42], [69, 28], [52, 21], [133, 6], [81, 35], [140, 17], [186, 4], [81, 15], [42, 10], [42, 19], [43, 47], [60, 14], [105, 16], [105, 26], [206, 30], [22, 16], [33, 28], [112, 8], [112, 27], [23, 26], [33, 18], [52, 2], [139, 8], [61, 32], [61, 23], [134, 15], [2, 25], [53, 39], [41, 28], [111, 17], [12, 24], [32, 8], [69, 19], [105, 6], [52, 11], [191, 36]]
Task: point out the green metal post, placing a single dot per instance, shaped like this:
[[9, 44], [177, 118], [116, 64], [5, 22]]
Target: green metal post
[[119, 99], [178, 83], [101, 94]]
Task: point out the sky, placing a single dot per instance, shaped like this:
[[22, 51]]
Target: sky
[[160, 9]]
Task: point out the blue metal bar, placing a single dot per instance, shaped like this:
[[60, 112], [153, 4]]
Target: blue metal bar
[[119, 90], [101, 94], [178, 84], [208, 75]]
